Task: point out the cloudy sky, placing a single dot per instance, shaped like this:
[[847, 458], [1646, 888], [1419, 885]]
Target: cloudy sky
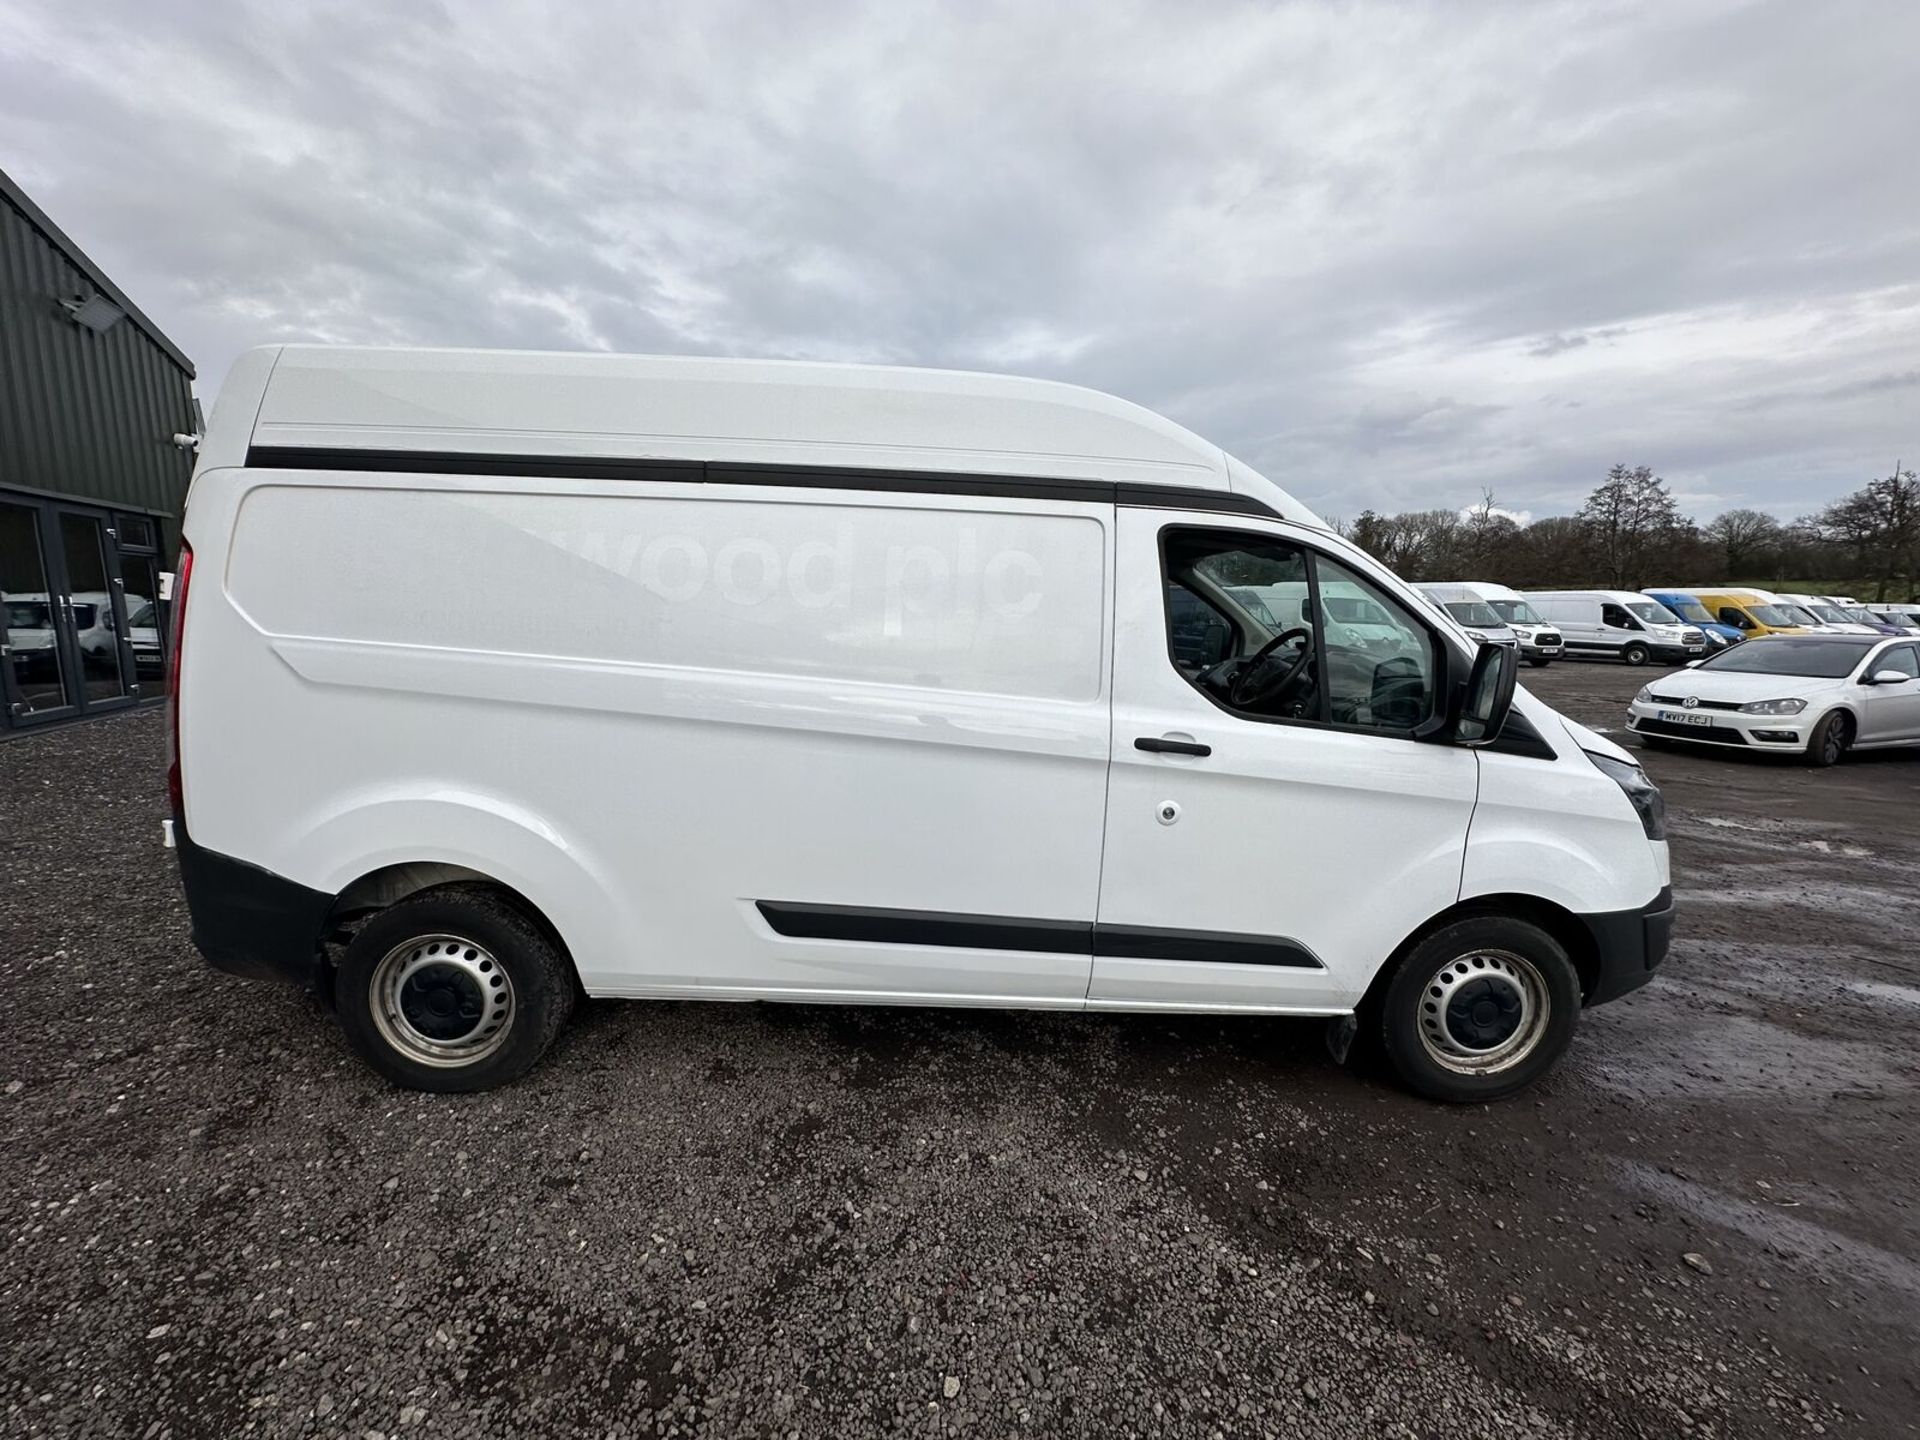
[[1389, 255]]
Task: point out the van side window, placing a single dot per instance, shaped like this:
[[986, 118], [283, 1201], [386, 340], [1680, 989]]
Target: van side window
[[1200, 633], [1729, 615], [1617, 617], [1275, 631]]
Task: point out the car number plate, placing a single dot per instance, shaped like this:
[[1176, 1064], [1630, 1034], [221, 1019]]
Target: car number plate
[[1685, 717]]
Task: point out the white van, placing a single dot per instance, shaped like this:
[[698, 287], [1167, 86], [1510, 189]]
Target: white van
[[1619, 625], [506, 678], [1828, 617], [1476, 603]]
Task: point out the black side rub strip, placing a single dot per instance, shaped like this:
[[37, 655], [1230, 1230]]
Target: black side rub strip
[[926, 927], [800, 921], [697, 472]]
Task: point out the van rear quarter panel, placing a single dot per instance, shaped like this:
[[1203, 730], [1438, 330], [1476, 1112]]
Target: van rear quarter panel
[[645, 708]]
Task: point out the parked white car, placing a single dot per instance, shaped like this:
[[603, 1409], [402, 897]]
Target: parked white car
[[505, 678], [1814, 696]]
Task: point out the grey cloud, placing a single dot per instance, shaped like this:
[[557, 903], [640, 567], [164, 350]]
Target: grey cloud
[[1328, 238]]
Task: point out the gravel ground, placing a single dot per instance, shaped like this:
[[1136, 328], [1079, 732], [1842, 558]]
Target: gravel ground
[[770, 1221]]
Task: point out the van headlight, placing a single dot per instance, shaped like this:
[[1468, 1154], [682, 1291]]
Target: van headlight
[[1773, 707], [1642, 793]]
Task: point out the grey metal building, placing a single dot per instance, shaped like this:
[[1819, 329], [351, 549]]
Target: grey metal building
[[91, 479]]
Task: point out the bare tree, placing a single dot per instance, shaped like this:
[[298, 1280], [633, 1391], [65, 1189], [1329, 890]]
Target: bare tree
[[1750, 540], [1633, 523], [1879, 525]]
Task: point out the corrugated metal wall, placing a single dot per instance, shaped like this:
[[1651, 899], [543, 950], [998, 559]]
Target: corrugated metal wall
[[83, 414]]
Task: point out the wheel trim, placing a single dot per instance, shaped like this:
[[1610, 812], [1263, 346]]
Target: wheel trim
[[1483, 1012], [442, 1000]]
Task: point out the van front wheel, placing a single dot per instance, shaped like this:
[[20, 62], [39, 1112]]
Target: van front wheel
[[1636, 654], [453, 990], [1480, 1009]]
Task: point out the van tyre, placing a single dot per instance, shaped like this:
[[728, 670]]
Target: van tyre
[[1830, 740], [452, 990], [1635, 654], [1479, 1009], [1538, 663]]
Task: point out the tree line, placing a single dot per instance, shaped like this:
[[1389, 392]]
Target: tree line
[[1630, 534]]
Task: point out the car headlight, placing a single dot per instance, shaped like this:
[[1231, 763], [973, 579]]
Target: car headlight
[[1645, 696], [1641, 793], [1773, 707]]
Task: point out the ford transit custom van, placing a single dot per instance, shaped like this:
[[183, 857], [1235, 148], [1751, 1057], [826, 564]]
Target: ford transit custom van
[[502, 679], [1538, 639], [1619, 625]]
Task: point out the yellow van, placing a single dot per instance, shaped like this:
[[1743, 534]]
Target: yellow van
[[1747, 613]]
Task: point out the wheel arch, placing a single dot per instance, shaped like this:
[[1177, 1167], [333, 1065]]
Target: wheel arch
[[387, 886], [1561, 923]]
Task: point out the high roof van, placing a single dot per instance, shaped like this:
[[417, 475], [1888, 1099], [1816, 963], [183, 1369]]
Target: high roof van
[[1480, 604], [504, 679]]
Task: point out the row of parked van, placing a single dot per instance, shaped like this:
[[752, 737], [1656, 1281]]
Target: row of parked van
[[1665, 623]]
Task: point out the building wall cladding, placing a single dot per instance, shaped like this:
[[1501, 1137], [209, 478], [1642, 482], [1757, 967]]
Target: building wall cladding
[[83, 414]]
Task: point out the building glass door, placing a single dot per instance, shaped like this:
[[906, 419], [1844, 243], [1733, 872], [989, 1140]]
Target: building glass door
[[38, 681], [93, 611], [72, 642]]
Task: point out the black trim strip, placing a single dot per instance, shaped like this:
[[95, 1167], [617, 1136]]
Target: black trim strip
[[695, 472], [801, 921], [926, 927], [1213, 947]]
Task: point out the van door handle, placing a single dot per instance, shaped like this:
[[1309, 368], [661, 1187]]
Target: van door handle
[[1171, 747]]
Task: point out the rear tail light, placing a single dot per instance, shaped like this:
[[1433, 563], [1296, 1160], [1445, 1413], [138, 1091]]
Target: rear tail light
[[175, 793]]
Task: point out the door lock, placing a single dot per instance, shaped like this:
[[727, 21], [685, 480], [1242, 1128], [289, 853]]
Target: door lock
[[1167, 811]]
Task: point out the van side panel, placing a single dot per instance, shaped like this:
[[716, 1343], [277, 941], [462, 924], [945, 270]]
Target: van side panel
[[653, 712]]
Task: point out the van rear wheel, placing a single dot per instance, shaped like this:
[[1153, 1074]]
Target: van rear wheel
[[452, 990], [1480, 1009]]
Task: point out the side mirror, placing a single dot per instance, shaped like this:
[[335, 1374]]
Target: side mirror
[[1887, 677], [1481, 705]]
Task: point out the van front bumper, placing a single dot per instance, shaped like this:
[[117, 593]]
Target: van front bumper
[[249, 921], [1630, 945]]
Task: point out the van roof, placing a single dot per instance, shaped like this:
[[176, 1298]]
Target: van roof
[[561, 405]]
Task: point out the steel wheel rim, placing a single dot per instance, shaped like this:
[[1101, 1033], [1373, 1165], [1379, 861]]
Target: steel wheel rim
[[1484, 1012], [442, 1000]]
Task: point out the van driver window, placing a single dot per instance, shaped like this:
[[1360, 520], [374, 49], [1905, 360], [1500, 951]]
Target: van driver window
[[1243, 629], [1733, 617], [1617, 617]]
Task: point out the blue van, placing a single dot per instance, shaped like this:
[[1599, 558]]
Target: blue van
[[1687, 606]]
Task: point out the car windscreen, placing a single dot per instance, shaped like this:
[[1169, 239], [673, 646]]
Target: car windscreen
[[1473, 612], [1651, 612], [1817, 657], [1516, 612]]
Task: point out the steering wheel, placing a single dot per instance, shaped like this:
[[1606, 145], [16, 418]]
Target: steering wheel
[[1243, 694]]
